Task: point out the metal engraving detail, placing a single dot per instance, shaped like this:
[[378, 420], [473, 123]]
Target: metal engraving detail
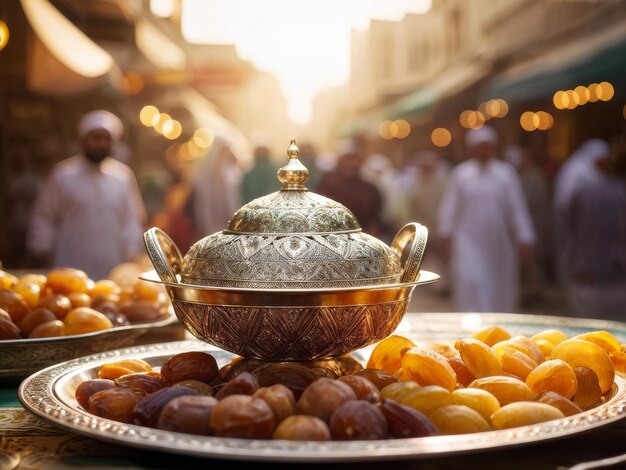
[[293, 212], [291, 333], [288, 261]]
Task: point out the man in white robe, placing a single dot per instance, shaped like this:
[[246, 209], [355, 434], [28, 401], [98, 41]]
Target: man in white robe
[[485, 227], [89, 214], [593, 237]]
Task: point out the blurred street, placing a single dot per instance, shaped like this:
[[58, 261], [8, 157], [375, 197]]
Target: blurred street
[[498, 126], [430, 299]]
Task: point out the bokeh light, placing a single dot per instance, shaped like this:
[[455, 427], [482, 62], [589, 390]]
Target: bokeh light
[[595, 92], [546, 120], [464, 117], [203, 138], [557, 99], [159, 120], [574, 99], [476, 120], [147, 114], [384, 130], [607, 91], [4, 34], [172, 129], [529, 121], [583, 94], [400, 129], [441, 137], [503, 108]]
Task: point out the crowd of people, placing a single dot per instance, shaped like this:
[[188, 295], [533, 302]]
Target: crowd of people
[[499, 231]]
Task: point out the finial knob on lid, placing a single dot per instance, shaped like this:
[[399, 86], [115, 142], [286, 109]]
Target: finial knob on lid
[[294, 174]]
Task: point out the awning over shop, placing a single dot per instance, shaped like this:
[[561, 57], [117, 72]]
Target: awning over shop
[[61, 59], [361, 125], [446, 85], [583, 62], [205, 114], [158, 48]]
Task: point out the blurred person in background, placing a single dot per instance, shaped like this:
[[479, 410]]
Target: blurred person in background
[[215, 189], [420, 203], [344, 184], [564, 184], [379, 170], [22, 189], [171, 216], [591, 210], [536, 190], [262, 178], [308, 157], [485, 228], [89, 213]]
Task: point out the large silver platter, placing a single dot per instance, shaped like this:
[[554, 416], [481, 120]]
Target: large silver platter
[[50, 395]]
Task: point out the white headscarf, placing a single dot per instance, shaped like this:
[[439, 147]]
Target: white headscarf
[[576, 167], [101, 119], [474, 137], [216, 187]]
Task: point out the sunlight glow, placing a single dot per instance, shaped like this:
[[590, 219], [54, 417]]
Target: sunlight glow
[[305, 44]]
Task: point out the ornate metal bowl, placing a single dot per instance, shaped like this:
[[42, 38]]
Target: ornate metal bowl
[[292, 278]]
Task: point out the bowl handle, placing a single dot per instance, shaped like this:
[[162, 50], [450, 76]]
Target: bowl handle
[[164, 254], [410, 244]]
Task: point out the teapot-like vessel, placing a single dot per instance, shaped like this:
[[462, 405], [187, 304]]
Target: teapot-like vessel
[[292, 278]]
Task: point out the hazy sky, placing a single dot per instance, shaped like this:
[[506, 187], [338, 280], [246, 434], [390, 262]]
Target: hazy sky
[[305, 43]]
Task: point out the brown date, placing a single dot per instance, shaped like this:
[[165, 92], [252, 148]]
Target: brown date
[[281, 400], [244, 384], [358, 420], [140, 311], [200, 387], [242, 416], [302, 428], [405, 421], [236, 366], [9, 330], [380, 378], [89, 387], [567, 407], [323, 397], [141, 380], [588, 393], [48, 329], [79, 299], [362, 387], [196, 365], [4, 314], [35, 317], [188, 413], [295, 377], [147, 411], [58, 304], [115, 403], [14, 304], [117, 319]]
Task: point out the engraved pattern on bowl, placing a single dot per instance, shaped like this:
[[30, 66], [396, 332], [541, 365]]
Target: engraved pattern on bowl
[[291, 333], [293, 212], [292, 260]]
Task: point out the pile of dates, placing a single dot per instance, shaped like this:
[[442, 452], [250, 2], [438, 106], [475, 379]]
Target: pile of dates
[[487, 381], [65, 302]]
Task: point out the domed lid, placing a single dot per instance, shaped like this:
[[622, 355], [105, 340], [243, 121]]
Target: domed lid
[[292, 238], [293, 209]]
